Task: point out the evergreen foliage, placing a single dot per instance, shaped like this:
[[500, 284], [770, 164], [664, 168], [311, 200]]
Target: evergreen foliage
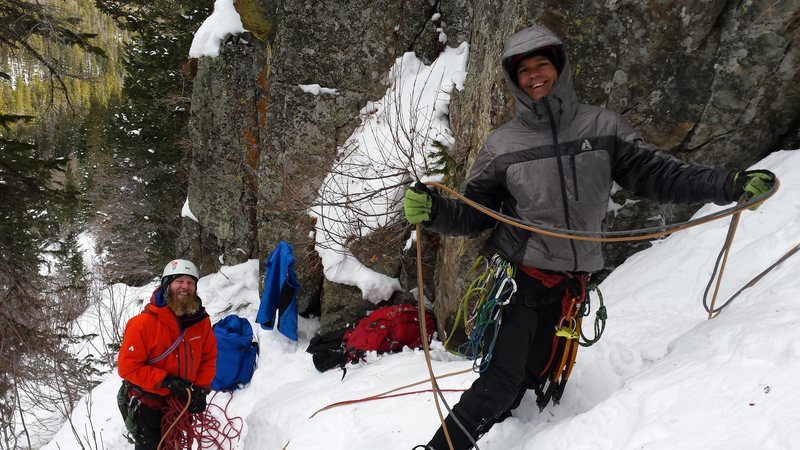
[[148, 134], [28, 199], [80, 149], [51, 69], [25, 25]]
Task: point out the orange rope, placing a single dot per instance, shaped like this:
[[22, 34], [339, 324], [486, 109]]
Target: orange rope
[[635, 235], [386, 394], [434, 387]]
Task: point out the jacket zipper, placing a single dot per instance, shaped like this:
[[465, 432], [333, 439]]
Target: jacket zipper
[[178, 359], [178, 355], [190, 363], [562, 179], [571, 158], [185, 375], [574, 175], [178, 348]]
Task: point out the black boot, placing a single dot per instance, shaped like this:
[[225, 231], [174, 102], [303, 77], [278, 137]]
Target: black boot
[[459, 440]]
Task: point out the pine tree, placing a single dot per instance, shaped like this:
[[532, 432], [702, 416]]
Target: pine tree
[[149, 148], [27, 199], [34, 35]]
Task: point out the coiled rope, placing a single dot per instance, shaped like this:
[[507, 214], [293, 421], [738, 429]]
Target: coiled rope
[[205, 429]]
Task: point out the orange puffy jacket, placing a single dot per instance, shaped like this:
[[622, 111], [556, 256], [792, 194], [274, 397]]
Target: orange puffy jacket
[[152, 332]]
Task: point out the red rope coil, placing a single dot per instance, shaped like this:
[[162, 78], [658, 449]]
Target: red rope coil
[[211, 429]]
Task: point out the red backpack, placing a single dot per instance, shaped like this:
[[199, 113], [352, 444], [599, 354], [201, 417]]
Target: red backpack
[[386, 329]]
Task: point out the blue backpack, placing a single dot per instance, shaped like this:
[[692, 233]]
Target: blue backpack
[[236, 353]]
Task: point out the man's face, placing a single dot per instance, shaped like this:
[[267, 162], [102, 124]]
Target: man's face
[[536, 75], [181, 295], [184, 285]]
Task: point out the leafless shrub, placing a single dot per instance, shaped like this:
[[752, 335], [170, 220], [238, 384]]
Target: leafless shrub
[[392, 147]]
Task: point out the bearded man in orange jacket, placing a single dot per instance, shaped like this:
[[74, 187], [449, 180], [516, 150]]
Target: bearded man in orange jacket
[[169, 349]]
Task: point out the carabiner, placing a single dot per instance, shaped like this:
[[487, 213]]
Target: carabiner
[[502, 288], [572, 322]]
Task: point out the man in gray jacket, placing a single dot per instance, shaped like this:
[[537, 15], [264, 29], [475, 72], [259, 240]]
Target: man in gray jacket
[[553, 164]]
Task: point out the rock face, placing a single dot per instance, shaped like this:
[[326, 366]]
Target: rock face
[[713, 82], [227, 117], [262, 145]]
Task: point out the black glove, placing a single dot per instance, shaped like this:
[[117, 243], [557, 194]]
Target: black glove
[[177, 386], [198, 403]]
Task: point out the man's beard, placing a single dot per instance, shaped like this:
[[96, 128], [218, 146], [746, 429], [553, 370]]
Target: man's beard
[[181, 305]]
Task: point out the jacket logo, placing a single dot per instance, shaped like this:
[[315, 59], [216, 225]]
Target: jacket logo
[[130, 349], [586, 145]]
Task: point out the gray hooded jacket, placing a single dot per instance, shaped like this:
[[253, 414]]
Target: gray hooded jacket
[[554, 164]]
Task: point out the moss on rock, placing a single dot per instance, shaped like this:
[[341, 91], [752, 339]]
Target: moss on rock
[[253, 18]]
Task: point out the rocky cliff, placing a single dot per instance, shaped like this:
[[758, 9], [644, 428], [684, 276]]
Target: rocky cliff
[[712, 82]]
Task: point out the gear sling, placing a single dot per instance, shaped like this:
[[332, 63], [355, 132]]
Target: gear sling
[[550, 382], [553, 377]]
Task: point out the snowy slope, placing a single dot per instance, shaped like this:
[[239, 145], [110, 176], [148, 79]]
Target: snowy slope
[[662, 377]]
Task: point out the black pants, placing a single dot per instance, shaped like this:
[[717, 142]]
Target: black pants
[[523, 348], [148, 422]]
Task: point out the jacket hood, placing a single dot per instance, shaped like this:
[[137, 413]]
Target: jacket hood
[[562, 97], [158, 299]]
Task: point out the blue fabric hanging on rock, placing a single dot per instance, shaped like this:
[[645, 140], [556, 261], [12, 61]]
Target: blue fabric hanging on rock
[[280, 293]]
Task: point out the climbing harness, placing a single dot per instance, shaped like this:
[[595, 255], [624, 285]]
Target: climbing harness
[[497, 281], [202, 430]]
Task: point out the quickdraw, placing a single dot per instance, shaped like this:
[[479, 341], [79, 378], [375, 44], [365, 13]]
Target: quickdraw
[[498, 283]]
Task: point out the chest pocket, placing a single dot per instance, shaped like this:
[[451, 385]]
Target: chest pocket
[[534, 185], [589, 179]]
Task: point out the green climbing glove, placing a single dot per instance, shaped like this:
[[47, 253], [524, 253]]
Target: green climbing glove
[[418, 204], [753, 183]]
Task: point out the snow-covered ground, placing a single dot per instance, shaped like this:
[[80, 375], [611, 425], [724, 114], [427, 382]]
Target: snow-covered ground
[[662, 376]]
